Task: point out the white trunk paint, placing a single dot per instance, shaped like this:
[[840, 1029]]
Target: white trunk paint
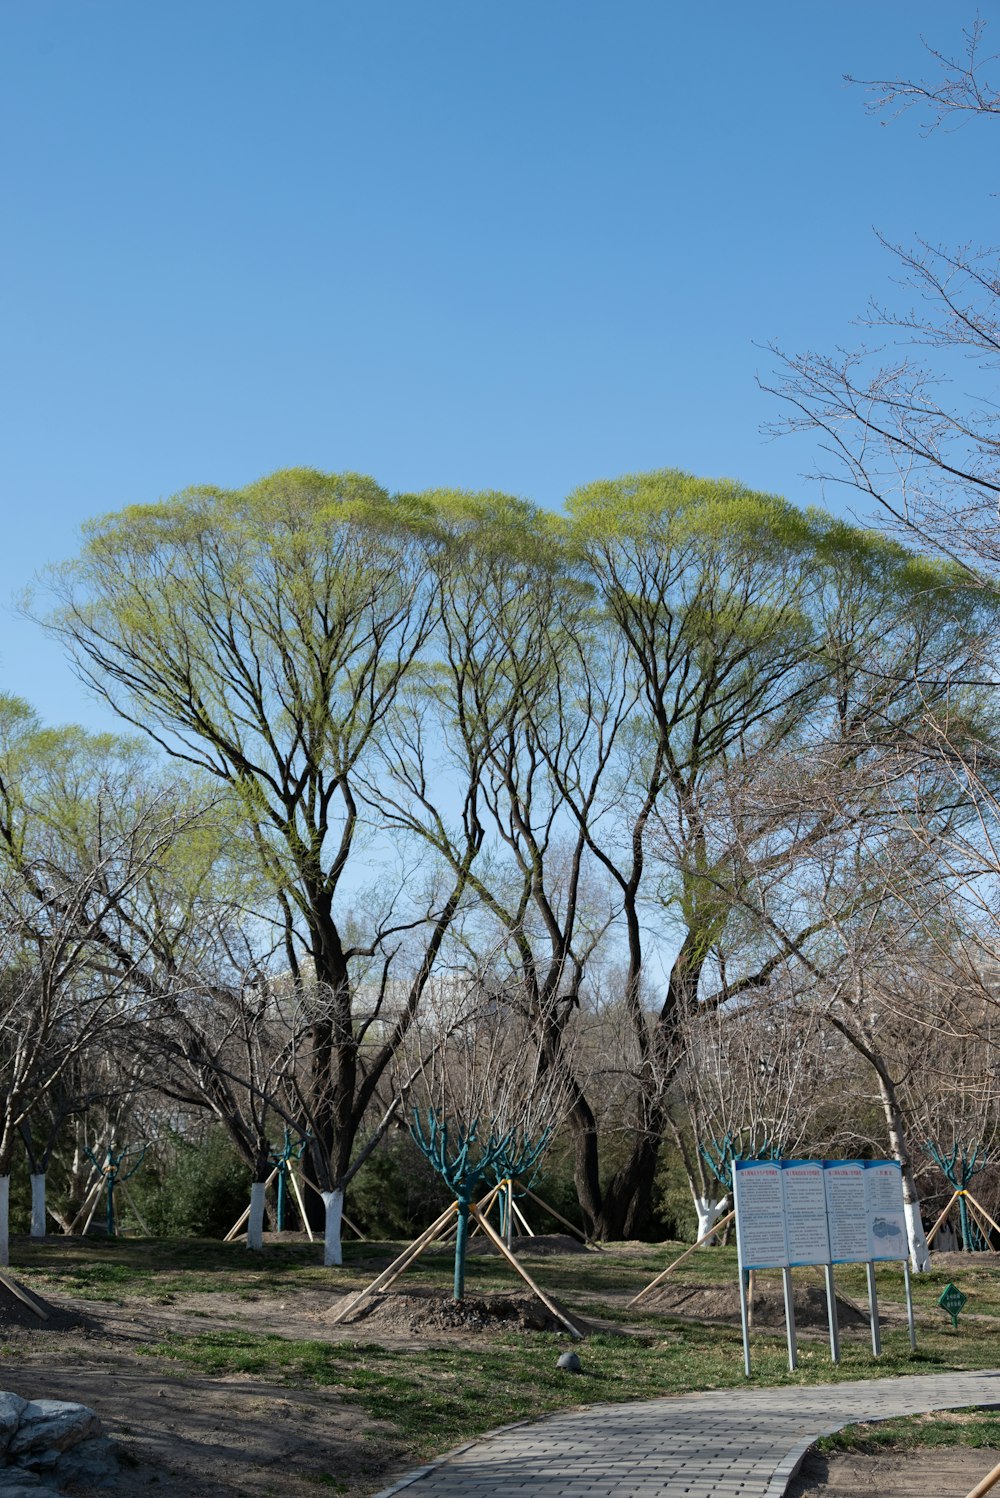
[[920, 1259], [333, 1201], [38, 1206], [709, 1212], [255, 1223], [4, 1220]]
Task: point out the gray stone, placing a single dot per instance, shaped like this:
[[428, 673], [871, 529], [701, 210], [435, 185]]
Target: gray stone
[[17, 1484], [569, 1362], [92, 1463], [11, 1406], [52, 1424]]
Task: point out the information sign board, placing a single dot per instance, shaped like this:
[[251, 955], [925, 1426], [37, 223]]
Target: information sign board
[[846, 1210], [887, 1237], [760, 1214], [806, 1235]]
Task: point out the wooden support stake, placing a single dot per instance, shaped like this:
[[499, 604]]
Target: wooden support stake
[[354, 1228], [396, 1268], [549, 1305], [98, 1193], [15, 1289], [987, 1485], [558, 1217], [982, 1211], [486, 1205], [138, 1215], [524, 1221], [234, 1231], [933, 1232], [95, 1190], [297, 1191], [685, 1255]]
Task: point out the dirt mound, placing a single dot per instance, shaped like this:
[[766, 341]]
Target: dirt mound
[[541, 1244], [722, 1303], [952, 1261], [14, 1313], [420, 1311]]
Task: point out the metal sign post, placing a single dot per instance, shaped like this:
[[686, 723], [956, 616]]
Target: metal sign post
[[745, 1323], [793, 1353], [873, 1310], [909, 1305], [831, 1313]]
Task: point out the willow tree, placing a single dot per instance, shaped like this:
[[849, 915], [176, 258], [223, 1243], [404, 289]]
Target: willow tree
[[76, 843], [262, 635]]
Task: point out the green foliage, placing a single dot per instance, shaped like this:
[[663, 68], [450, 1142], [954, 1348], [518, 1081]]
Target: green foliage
[[190, 1189]]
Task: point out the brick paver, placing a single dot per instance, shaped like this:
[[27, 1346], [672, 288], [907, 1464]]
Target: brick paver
[[732, 1443]]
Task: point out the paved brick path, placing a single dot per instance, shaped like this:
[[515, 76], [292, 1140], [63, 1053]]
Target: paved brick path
[[733, 1443]]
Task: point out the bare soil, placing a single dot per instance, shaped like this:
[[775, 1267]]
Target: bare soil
[[424, 1310], [953, 1261], [941, 1471], [721, 1303], [184, 1435]]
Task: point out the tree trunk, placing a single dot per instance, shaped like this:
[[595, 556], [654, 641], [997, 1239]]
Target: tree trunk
[[38, 1205], [255, 1223], [709, 1212], [920, 1259], [333, 1203], [4, 1221]]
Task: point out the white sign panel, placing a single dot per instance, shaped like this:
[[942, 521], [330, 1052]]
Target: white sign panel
[[760, 1214], [804, 1190], [846, 1210], [887, 1238]]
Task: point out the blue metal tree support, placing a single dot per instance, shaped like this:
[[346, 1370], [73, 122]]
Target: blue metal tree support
[[461, 1159], [719, 1154], [960, 1167], [115, 1170], [282, 1161], [518, 1164]]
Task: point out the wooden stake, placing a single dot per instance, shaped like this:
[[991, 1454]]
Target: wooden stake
[[354, 1229], [933, 1232], [685, 1255], [15, 1289], [388, 1275], [978, 1216], [558, 1217], [95, 1188], [524, 1221], [98, 1193], [486, 1205], [982, 1210], [987, 1485], [549, 1305], [301, 1206], [135, 1209]]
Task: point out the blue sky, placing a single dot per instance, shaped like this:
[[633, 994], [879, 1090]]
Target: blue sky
[[516, 246]]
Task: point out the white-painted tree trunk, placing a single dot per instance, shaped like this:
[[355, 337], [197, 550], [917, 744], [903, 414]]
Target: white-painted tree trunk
[[709, 1212], [4, 1220], [333, 1201], [920, 1258], [255, 1222], [38, 1206]]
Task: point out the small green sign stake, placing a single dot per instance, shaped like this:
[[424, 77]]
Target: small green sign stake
[[952, 1300]]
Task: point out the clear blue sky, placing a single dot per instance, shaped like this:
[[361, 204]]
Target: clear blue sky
[[515, 246]]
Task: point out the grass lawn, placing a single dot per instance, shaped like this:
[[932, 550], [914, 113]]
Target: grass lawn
[[433, 1397]]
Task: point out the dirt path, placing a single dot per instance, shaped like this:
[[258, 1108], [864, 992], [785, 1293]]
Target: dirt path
[[188, 1436], [932, 1472]]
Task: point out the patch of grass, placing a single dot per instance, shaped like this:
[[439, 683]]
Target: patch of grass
[[971, 1427], [436, 1397]]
